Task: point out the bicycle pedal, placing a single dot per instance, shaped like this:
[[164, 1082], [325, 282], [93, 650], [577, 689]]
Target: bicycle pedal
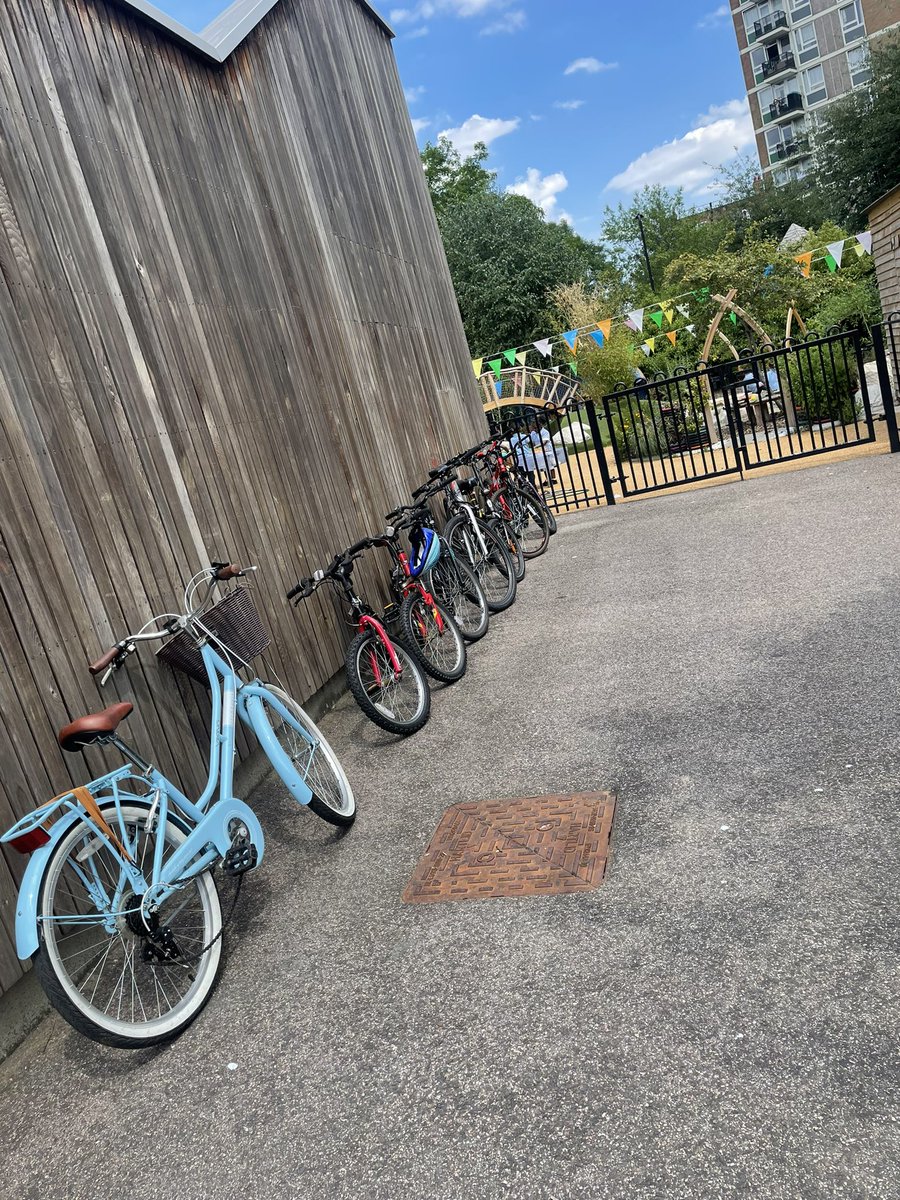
[[240, 856]]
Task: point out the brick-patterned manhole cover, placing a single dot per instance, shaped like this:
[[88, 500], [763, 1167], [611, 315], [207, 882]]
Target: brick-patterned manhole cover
[[534, 846]]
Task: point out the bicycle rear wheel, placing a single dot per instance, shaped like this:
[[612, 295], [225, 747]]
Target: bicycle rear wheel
[[493, 569], [510, 539], [313, 760], [528, 519], [125, 988], [398, 701], [456, 586]]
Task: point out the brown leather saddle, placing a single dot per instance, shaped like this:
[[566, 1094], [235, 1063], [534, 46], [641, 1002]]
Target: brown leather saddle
[[86, 730]]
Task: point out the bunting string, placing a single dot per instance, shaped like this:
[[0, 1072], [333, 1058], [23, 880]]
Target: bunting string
[[660, 313]]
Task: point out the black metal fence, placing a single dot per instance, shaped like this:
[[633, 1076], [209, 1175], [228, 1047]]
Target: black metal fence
[[809, 396]]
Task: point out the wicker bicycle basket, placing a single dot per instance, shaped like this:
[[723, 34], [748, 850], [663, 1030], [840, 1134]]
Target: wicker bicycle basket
[[235, 620]]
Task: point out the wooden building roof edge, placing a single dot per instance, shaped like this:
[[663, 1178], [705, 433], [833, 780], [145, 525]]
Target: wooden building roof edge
[[226, 32], [882, 198]]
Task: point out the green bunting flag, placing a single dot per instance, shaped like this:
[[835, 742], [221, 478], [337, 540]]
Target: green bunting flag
[[656, 318], [573, 367], [510, 356], [830, 263], [496, 365], [732, 317]]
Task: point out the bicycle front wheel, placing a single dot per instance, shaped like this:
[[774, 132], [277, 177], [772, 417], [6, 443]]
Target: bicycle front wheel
[[145, 981], [510, 539], [313, 760], [529, 520], [396, 700], [492, 565], [456, 586], [438, 645]]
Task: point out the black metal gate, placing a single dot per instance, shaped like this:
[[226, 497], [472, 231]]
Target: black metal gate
[[807, 397]]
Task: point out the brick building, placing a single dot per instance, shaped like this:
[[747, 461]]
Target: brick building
[[797, 57]]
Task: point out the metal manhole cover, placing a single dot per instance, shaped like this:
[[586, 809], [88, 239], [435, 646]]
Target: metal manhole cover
[[533, 846]]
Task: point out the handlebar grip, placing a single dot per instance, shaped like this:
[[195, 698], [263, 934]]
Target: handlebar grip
[[229, 571], [107, 660], [303, 586]]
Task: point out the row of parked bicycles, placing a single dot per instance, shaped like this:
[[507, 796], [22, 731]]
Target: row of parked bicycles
[[119, 906], [444, 588]]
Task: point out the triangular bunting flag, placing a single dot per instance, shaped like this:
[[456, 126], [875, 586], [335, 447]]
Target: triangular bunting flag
[[650, 344], [646, 349], [670, 313], [521, 356], [672, 335], [573, 367], [537, 379], [865, 240], [636, 320], [805, 261], [476, 365], [510, 356], [571, 339], [732, 317], [830, 263], [499, 388], [769, 270], [860, 251], [836, 250], [656, 318], [691, 328], [542, 347], [495, 365], [605, 326], [683, 309], [598, 337]]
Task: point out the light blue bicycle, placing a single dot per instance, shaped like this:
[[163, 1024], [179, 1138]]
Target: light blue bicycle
[[118, 906]]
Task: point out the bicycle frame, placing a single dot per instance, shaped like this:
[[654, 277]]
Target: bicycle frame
[[211, 834]]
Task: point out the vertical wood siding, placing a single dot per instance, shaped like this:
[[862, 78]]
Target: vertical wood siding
[[227, 330]]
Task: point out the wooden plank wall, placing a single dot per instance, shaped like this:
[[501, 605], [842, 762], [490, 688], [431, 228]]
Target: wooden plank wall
[[227, 330]]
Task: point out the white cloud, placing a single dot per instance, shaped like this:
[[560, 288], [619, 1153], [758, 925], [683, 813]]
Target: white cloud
[[422, 31], [478, 129], [413, 94], [509, 22], [544, 190], [424, 10], [568, 104], [691, 161], [591, 65], [713, 20], [419, 123]]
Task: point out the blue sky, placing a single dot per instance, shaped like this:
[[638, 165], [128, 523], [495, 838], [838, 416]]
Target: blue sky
[[581, 101]]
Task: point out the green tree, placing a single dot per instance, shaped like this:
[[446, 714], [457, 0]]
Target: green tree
[[857, 141], [453, 179], [671, 227], [758, 207], [505, 259]]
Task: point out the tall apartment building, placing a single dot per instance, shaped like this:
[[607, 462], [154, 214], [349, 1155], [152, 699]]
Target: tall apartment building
[[797, 56]]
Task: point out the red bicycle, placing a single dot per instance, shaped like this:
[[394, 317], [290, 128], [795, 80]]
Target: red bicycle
[[518, 505], [384, 677], [426, 626]]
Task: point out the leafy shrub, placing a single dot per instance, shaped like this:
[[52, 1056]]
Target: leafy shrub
[[824, 382]]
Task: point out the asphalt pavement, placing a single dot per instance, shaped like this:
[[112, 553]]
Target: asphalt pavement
[[719, 1019]]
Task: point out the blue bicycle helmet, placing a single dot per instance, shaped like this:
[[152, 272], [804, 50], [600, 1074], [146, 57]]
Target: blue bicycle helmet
[[426, 550]]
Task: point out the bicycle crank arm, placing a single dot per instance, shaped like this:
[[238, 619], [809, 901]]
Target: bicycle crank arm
[[215, 829]]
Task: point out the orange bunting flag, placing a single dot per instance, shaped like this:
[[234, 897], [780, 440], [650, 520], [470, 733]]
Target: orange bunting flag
[[671, 335], [805, 261], [605, 327]]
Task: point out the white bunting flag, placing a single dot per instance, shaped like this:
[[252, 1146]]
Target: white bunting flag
[[542, 347], [646, 349], [865, 240], [691, 328], [683, 309], [636, 320], [836, 250]]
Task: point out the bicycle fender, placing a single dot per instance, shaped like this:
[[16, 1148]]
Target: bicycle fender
[[27, 940], [290, 777]]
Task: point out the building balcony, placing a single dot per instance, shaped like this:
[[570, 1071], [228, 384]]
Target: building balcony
[[768, 27], [793, 148], [779, 110], [777, 66]]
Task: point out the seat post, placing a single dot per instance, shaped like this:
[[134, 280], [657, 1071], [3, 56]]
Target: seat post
[[126, 751]]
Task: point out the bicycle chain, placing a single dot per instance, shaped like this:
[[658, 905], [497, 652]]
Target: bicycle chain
[[195, 958]]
